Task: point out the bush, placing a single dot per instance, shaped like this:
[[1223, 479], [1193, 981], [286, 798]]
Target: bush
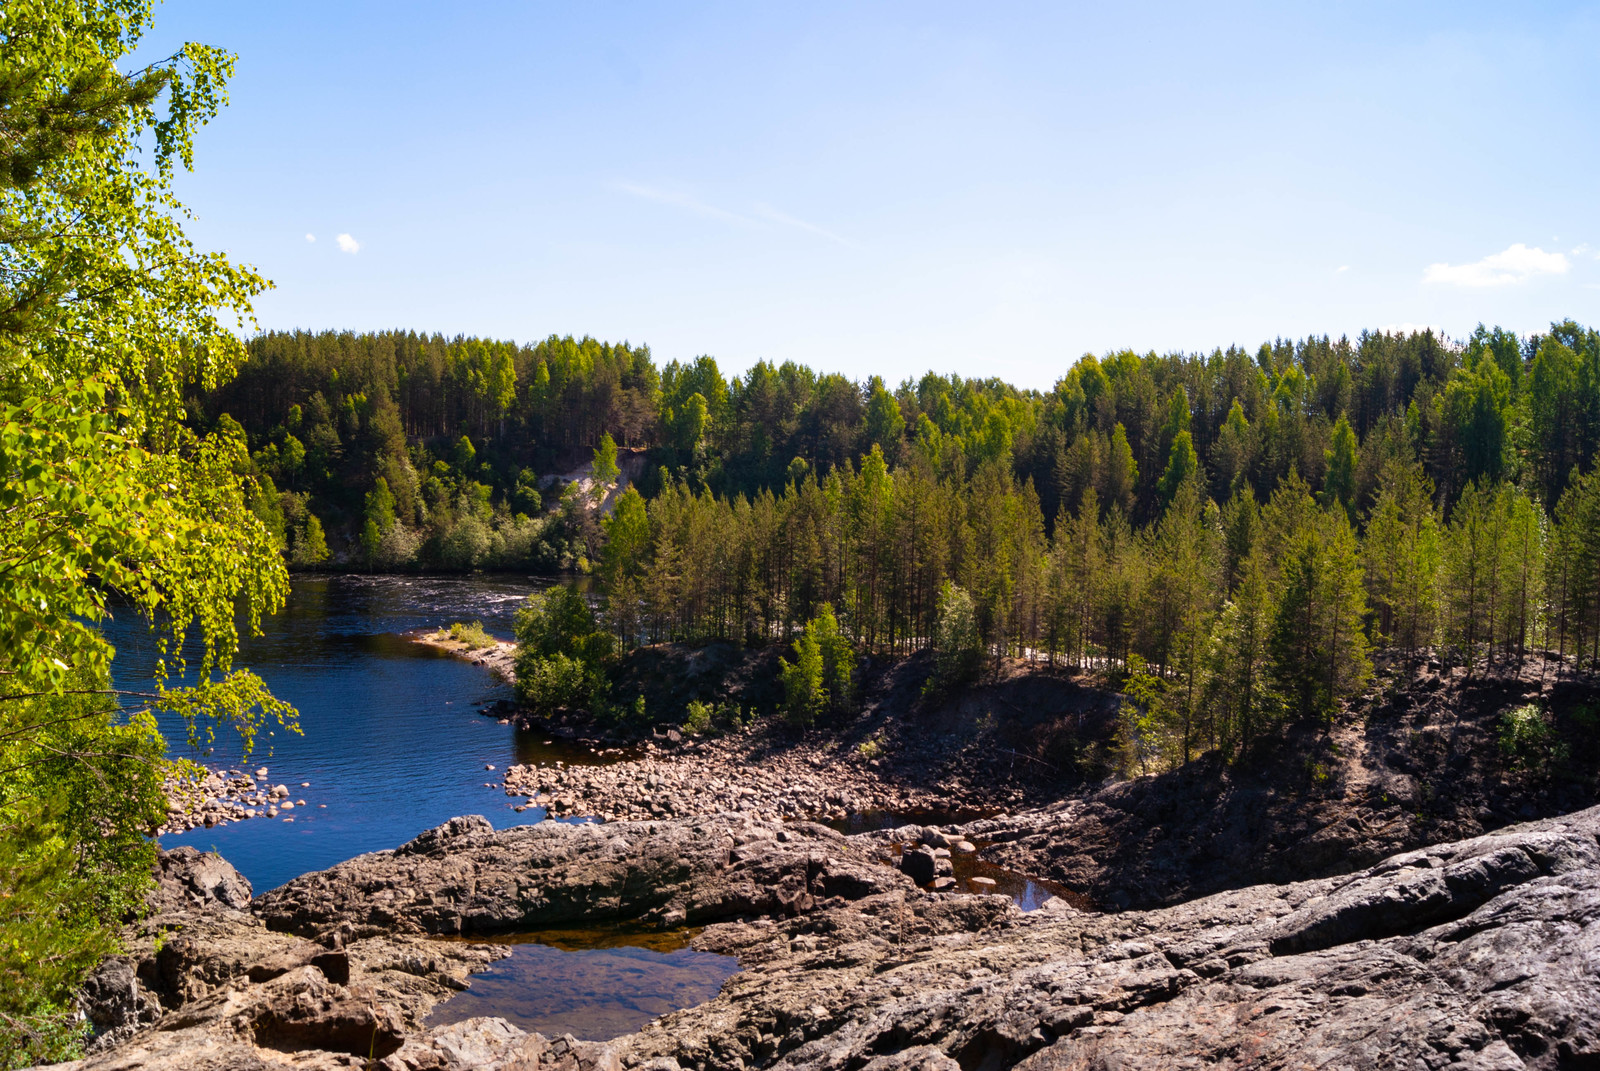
[[467, 544], [472, 635], [697, 717], [76, 799], [557, 682], [1525, 736], [561, 653], [701, 717]]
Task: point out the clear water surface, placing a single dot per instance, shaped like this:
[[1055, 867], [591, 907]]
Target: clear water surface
[[393, 742], [593, 984]]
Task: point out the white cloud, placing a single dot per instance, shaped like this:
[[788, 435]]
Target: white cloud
[[1516, 264], [1341, 269], [310, 237], [348, 244]]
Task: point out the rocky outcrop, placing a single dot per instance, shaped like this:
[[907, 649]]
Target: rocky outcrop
[[1473, 954], [200, 944], [465, 877]]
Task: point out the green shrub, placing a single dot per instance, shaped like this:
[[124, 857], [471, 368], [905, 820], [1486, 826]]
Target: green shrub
[[76, 798], [1525, 735], [472, 635], [701, 717], [556, 682], [697, 717], [562, 654]]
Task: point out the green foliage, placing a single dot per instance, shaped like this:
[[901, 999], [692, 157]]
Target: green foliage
[[697, 717], [821, 679], [75, 803], [1183, 465], [1339, 481], [1319, 651], [473, 635], [1525, 736], [957, 648], [308, 546], [109, 320], [1149, 728], [605, 463], [379, 519], [561, 653]]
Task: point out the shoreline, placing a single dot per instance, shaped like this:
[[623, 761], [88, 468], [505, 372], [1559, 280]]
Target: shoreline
[[225, 795], [499, 659]]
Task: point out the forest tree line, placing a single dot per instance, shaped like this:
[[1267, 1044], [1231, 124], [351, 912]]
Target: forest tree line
[[460, 431], [1237, 535]]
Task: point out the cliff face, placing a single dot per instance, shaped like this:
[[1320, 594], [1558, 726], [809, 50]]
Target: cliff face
[[1482, 953]]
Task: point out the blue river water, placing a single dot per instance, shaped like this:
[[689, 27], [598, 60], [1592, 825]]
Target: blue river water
[[392, 741]]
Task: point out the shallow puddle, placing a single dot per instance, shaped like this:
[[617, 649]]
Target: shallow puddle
[[593, 984], [1027, 893]]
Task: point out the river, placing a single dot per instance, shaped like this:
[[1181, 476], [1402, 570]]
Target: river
[[392, 739]]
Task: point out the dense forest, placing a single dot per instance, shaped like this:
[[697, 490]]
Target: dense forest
[[1237, 535]]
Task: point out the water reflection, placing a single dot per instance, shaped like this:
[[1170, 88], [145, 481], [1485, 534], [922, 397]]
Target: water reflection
[[394, 741], [593, 984]]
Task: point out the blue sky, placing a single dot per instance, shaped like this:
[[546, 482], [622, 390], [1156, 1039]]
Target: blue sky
[[883, 188]]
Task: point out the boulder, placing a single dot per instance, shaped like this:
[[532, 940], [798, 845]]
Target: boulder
[[188, 877], [919, 864]]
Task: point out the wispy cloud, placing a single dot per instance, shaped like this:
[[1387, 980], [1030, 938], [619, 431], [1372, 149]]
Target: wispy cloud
[[348, 244], [762, 214], [1517, 264], [680, 200], [310, 237], [1341, 269], [766, 211]]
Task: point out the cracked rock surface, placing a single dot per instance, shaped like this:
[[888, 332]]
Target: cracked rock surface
[[1482, 953]]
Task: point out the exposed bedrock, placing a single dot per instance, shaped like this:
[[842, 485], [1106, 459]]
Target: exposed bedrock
[[1483, 953], [464, 877]]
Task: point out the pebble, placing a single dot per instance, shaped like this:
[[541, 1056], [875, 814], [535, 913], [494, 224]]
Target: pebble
[[716, 777], [982, 882]]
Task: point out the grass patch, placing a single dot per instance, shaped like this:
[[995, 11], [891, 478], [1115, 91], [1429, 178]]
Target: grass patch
[[472, 635]]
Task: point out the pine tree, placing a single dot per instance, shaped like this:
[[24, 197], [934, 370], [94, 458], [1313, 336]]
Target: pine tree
[[1402, 555], [1318, 650], [1121, 473], [1339, 479]]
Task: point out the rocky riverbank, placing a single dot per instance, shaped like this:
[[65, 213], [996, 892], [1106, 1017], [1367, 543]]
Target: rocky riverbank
[[220, 796], [750, 773], [1473, 954]]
